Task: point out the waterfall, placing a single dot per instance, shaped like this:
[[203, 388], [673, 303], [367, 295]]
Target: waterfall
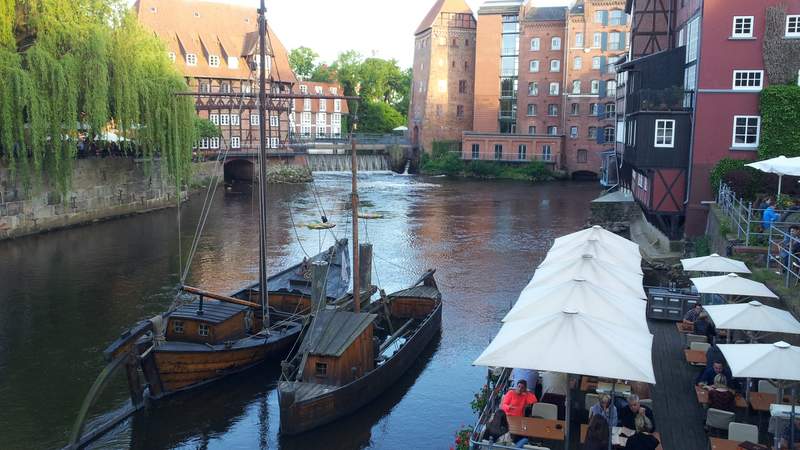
[[408, 165], [341, 163]]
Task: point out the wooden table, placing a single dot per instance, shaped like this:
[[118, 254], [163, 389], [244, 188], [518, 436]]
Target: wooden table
[[702, 397], [760, 401], [537, 428], [585, 428], [589, 384], [695, 357], [725, 444], [684, 328]]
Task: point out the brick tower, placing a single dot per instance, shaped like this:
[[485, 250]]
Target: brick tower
[[443, 74]]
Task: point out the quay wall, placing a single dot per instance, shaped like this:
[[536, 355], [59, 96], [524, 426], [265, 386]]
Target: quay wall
[[102, 188]]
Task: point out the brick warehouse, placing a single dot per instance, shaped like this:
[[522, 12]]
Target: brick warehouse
[[544, 84]]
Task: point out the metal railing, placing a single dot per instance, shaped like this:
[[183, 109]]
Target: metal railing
[[747, 221]]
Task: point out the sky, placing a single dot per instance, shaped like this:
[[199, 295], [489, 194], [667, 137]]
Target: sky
[[382, 28]]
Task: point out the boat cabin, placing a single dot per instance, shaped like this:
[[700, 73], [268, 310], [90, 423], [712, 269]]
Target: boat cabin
[[340, 348], [415, 302], [213, 322]]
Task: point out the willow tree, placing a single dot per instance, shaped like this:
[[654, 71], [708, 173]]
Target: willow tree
[[76, 66]]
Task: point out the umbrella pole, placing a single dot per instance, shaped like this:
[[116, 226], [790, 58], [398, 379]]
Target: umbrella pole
[[791, 417], [611, 425], [780, 179], [567, 414]]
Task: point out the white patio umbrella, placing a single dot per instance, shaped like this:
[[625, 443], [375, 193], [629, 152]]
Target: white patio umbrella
[[753, 316], [599, 233], [572, 342], [714, 263], [582, 296], [608, 251], [733, 285], [603, 273], [780, 166]]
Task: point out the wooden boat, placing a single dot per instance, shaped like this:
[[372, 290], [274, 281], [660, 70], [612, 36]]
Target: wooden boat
[[347, 359]]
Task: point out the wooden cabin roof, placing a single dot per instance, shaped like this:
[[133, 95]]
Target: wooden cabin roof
[[332, 331], [214, 311], [421, 291]]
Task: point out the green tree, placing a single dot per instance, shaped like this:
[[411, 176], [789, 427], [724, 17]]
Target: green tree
[[378, 117], [302, 61], [323, 74], [204, 128]]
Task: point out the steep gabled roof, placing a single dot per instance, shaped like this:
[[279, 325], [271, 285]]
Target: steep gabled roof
[[442, 6]]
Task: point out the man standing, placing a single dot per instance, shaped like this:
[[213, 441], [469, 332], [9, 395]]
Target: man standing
[[515, 401]]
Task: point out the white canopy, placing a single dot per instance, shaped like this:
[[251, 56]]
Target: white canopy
[[753, 316], [732, 284], [778, 361], [780, 166], [572, 342], [714, 263], [582, 296], [599, 233], [623, 256], [603, 273]]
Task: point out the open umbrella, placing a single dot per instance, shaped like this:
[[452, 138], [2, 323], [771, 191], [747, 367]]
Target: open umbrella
[[583, 296], [733, 285], [780, 166], [624, 256], [714, 263], [599, 233], [753, 316], [615, 278]]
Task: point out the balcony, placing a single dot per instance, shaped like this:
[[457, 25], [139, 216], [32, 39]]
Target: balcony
[[660, 100]]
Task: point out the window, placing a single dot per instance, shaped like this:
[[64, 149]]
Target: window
[[202, 329], [746, 131], [233, 62], [665, 133], [596, 62], [610, 108], [171, 56], [577, 63], [692, 36], [611, 88], [255, 119], [274, 142], [583, 156], [575, 109], [466, 65], [597, 40], [321, 119], [747, 80], [305, 118], [476, 151], [594, 109], [611, 64], [191, 59], [531, 109], [225, 87], [321, 369], [616, 17], [552, 130], [555, 43], [554, 88], [534, 65], [234, 119], [236, 142], [305, 131], [462, 86], [177, 326], [533, 88], [214, 118], [555, 65], [579, 40], [793, 25], [307, 104], [498, 151], [552, 109], [531, 129], [205, 87], [204, 143], [337, 105], [303, 89], [213, 60], [535, 44], [273, 121], [599, 16], [595, 88], [592, 132], [547, 153], [608, 134], [742, 27], [573, 132], [460, 111], [615, 41], [576, 87], [522, 152], [318, 90], [213, 142], [224, 119]]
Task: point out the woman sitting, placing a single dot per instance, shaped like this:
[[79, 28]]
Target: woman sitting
[[597, 433], [642, 439], [604, 408], [719, 396]]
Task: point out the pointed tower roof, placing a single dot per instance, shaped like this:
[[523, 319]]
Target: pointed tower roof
[[443, 6]]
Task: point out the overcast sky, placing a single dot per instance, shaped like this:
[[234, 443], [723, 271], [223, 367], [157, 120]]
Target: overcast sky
[[384, 28]]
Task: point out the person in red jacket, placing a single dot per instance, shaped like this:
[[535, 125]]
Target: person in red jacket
[[515, 401]]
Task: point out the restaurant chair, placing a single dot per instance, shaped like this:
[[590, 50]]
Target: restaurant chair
[[717, 419], [703, 346], [741, 432], [545, 411], [694, 338], [591, 400], [767, 387]]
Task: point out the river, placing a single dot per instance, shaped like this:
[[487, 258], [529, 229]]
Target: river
[[65, 295]]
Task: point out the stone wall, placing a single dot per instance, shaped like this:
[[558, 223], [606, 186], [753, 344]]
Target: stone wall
[[101, 189]]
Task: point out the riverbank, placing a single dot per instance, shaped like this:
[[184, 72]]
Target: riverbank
[[451, 164]]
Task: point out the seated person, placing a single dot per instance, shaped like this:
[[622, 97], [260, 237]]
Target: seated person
[[516, 400], [719, 396], [691, 315], [790, 246], [703, 326], [597, 433], [629, 414], [708, 374], [786, 435], [531, 377], [642, 439], [604, 408]]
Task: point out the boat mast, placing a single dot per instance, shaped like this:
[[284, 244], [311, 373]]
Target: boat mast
[[262, 166], [354, 170]]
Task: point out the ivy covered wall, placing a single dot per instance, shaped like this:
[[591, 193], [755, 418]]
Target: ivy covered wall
[[780, 121], [781, 55]]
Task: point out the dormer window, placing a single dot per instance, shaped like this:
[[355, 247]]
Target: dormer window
[[318, 90], [171, 56], [334, 91], [233, 62], [196, 14], [191, 59], [304, 89], [213, 60]]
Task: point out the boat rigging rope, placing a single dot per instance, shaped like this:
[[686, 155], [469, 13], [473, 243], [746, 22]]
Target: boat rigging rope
[[296, 234]]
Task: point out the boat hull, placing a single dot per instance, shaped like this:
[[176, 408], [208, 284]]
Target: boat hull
[[301, 416]]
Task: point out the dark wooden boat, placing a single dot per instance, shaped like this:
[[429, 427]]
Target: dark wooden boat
[[347, 358]]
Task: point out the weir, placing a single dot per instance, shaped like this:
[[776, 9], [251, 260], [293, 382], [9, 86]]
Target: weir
[[341, 163]]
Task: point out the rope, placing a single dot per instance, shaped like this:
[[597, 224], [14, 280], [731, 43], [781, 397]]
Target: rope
[[297, 236]]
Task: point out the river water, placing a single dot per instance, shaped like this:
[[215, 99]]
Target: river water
[[65, 295]]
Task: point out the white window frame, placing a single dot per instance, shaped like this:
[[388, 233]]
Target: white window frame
[[274, 142], [692, 39], [214, 142], [203, 330], [204, 143], [547, 152], [171, 56], [795, 33], [553, 129], [667, 137], [533, 88], [555, 65], [579, 40], [322, 119], [214, 118], [576, 86], [318, 90], [236, 142], [305, 118], [744, 19], [235, 119], [191, 59], [213, 60], [597, 62], [573, 132], [746, 80], [255, 120], [335, 91], [224, 119], [555, 43], [178, 326], [597, 39], [535, 44], [274, 121], [533, 66], [734, 144], [323, 104], [595, 87], [307, 104], [577, 63], [337, 105], [303, 89]]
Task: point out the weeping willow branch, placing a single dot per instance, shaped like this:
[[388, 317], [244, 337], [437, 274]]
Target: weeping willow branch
[[71, 68]]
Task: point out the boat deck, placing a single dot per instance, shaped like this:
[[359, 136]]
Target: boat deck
[[305, 391]]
